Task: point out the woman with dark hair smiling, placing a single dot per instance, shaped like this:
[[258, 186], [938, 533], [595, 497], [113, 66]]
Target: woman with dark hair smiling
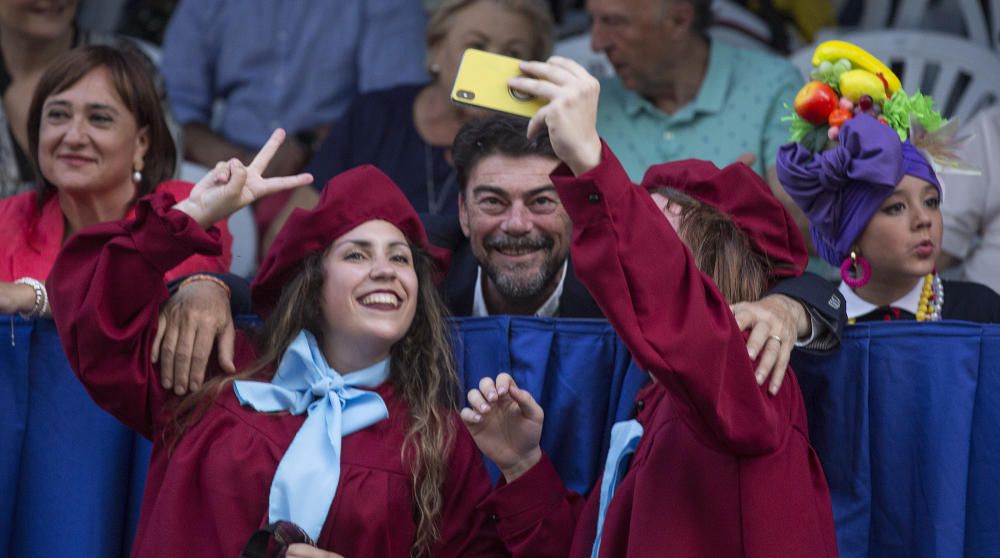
[[98, 137]]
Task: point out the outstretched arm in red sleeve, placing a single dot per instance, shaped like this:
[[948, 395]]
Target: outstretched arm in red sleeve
[[107, 284]]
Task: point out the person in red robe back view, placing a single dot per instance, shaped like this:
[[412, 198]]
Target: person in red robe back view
[[713, 464]]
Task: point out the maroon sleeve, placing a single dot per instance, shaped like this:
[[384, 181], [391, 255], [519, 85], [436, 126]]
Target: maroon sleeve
[[466, 530], [106, 288], [536, 516], [212, 263], [670, 316]]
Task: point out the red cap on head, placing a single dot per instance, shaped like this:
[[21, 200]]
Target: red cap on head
[[743, 196], [349, 199]]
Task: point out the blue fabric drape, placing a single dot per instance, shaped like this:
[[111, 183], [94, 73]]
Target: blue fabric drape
[[74, 486], [577, 370], [906, 418], [625, 438]]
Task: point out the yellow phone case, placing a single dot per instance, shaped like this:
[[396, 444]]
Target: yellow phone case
[[482, 82]]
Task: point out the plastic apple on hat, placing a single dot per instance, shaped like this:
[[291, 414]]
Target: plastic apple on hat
[[815, 101]]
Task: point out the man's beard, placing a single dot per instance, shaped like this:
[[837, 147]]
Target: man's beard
[[515, 286]]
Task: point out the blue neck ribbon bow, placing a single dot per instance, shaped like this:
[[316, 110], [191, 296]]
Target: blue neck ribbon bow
[[306, 480]]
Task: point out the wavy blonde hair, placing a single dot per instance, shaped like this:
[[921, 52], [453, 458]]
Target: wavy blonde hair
[[422, 371], [536, 11]]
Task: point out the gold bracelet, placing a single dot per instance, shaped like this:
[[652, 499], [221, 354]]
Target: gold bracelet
[[203, 277]]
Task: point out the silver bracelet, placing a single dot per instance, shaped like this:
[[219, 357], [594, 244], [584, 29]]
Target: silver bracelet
[[41, 306]]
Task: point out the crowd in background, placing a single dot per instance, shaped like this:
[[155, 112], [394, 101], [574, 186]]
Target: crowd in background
[[216, 107], [103, 131]]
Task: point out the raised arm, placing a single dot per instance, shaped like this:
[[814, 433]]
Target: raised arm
[[106, 288], [107, 284], [671, 316]]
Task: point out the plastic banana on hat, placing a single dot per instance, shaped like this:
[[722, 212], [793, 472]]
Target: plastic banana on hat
[[847, 81], [855, 134]]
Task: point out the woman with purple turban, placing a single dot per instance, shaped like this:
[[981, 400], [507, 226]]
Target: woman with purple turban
[[873, 202]]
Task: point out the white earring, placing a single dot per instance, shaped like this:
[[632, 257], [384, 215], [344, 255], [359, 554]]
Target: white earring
[[435, 69], [137, 176]]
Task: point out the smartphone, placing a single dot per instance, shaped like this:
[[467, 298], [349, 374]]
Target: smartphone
[[482, 82]]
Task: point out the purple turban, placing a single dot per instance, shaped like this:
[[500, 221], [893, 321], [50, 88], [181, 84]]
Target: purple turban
[[840, 189]]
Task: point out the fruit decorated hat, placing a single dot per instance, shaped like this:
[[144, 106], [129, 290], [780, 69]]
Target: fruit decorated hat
[[855, 134], [847, 81]]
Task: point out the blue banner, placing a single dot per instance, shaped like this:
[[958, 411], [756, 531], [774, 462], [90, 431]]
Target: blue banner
[[906, 418], [577, 370], [70, 474]]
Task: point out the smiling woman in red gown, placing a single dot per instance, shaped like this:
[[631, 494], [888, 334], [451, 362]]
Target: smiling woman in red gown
[[340, 431]]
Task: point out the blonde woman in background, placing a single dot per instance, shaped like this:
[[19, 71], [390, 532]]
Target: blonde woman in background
[[407, 131]]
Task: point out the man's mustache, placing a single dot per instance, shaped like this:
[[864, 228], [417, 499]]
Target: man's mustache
[[519, 243]]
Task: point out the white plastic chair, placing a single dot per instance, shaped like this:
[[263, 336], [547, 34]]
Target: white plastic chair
[[244, 230], [241, 225], [978, 28], [994, 22], [738, 26], [961, 75], [917, 14]]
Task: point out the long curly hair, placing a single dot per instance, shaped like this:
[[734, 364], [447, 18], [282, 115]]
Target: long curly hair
[[422, 371]]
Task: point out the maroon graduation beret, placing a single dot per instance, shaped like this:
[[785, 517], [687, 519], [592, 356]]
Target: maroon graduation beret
[[743, 196], [349, 199]]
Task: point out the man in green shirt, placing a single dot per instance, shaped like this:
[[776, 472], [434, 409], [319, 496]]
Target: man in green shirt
[[678, 95]]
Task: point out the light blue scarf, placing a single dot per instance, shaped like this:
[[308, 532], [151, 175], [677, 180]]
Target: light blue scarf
[[306, 480], [625, 437]]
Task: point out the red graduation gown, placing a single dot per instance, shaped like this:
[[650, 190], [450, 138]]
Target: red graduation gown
[[31, 240], [723, 469], [207, 495]]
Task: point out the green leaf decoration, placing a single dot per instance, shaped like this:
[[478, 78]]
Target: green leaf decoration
[[922, 108], [797, 127], [812, 137], [898, 109]]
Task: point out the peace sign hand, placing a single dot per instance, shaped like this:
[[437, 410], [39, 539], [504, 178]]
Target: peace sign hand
[[230, 186]]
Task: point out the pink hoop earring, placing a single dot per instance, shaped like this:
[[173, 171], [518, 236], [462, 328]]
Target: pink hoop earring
[[849, 270]]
